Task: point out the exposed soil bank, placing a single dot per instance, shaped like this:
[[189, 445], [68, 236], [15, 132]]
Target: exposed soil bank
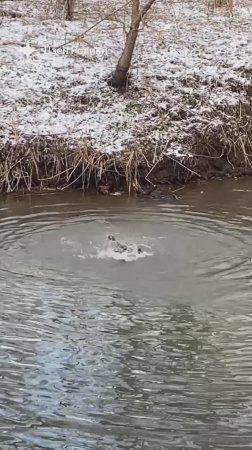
[[43, 163], [220, 148]]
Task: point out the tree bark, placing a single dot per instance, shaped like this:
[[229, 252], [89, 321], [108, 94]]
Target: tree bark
[[69, 9], [120, 76]]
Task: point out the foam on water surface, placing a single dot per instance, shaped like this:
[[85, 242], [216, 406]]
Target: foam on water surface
[[108, 251], [131, 254]]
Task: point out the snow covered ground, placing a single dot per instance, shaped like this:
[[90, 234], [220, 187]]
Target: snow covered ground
[[188, 64]]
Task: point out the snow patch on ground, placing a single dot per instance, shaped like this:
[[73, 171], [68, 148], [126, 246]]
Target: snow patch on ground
[[187, 63]]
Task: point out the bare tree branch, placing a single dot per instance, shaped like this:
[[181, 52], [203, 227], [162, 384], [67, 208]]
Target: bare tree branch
[[120, 76]]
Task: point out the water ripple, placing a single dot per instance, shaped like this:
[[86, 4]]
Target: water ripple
[[105, 354]]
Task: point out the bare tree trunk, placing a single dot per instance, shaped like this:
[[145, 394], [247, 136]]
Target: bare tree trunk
[[69, 9], [120, 76]]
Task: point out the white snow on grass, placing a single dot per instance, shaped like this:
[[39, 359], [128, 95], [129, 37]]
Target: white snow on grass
[[187, 63]]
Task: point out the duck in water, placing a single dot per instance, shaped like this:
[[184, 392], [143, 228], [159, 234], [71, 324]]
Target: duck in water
[[121, 248]]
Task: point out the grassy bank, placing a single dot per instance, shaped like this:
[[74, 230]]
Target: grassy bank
[[187, 112]]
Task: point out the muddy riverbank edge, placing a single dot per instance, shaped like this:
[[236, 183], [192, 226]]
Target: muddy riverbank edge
[[221, 148], [49, 163]]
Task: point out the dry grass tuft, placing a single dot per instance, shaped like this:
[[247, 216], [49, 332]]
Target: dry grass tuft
[[222, 148], [43, 162]]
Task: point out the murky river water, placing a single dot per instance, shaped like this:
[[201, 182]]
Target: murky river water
[[152, 353]]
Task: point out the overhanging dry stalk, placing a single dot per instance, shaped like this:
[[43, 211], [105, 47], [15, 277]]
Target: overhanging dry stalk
[[53, 162]]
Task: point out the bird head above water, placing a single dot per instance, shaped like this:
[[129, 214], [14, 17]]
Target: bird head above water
[[111, 237]]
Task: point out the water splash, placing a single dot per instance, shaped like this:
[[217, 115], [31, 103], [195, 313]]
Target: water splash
[[131, 254], [109, 251]]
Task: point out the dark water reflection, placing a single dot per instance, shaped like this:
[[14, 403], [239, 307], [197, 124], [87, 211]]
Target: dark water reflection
[[151, 354]]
